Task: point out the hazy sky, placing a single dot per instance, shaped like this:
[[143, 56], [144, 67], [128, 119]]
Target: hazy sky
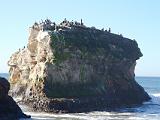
[[135, 19]]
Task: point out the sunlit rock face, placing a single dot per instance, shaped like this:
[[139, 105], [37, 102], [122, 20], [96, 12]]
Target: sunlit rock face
[[75, 62]]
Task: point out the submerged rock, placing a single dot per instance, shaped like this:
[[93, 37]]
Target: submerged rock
[[73, 68], [9, 110]]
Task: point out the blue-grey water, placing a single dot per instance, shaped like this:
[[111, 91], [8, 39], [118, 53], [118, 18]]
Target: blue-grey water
[[148, 111], [5, 75]]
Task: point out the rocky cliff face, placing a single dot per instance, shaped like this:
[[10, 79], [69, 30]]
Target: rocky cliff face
[[76, 63]]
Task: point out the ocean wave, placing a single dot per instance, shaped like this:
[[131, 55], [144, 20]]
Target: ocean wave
[[94, 116], [80, 116], [156, 94], [147, 111]]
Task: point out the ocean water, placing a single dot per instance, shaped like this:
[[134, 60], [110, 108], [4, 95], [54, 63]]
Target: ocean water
[[148, 111], [5, 75]]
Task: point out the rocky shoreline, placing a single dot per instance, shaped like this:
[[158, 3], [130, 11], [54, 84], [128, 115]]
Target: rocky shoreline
[[9, 110], [78, 105], [69, 67]]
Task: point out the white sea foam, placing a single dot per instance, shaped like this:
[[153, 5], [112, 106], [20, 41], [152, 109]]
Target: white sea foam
[[93, 116], [17, 99], [151, 111], [86, 116], [156, 94], [148, 111], [97, 115]]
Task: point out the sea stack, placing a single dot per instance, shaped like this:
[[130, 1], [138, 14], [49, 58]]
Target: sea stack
[[69, 67]]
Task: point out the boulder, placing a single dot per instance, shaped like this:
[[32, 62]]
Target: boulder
[[75, 68], [9, 110]]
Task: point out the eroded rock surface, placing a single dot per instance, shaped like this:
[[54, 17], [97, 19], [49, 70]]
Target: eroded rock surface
[[70, 67]]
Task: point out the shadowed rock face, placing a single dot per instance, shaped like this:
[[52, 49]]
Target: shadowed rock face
[[70, 67], [9, 110]]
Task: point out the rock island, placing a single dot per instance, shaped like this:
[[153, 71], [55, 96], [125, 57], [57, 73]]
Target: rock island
[[69, 67]]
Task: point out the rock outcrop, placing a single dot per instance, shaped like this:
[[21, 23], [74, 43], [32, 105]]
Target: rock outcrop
[[9, 110], [72, 68]]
